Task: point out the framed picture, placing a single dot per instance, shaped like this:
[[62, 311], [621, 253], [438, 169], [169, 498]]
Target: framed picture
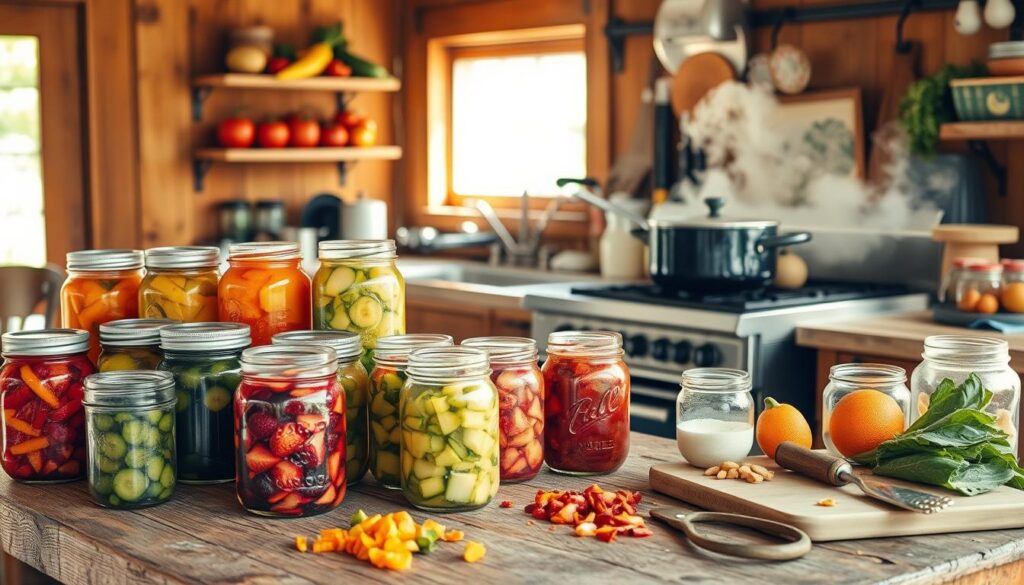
[[826, 126]]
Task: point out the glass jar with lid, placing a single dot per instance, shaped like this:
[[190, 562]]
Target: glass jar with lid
[[450, 443], [358, 288], [980, 288], [714, 416], [265, 289], [586, 407], [130, 420], [204, 360], [386, 381], [349, 409], [286, 466], [41, 389], [1013, 286], [102, 285], [515, 372], [958, 356], [947, 288], [180, 284], [857, 394], [130, 344]]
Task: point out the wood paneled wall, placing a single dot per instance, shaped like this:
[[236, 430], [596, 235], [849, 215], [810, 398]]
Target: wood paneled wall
[[177, 39]]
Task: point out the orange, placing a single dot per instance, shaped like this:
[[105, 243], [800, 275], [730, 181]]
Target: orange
[[987, 304], [863, 419], [778, 423], [969, 301], [1013, 297]]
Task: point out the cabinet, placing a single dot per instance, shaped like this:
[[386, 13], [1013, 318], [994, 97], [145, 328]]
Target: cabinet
[[463, 321]]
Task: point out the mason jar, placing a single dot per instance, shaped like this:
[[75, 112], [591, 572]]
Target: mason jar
[[386, 381], [957, 269], [714, 416], [979, 289], [180, 284], [449, 413], [1013, 286], [41, 389], [102, 285], [130, 421], [515, 372], [586, 407], [265, 289], [285, 464], [349, 409], [862, 406], [130, 344], [958, 356], [358, 288]]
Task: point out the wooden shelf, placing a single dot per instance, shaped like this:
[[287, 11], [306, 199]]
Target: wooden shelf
[[204, 158], [333, 84], [1001, 130]]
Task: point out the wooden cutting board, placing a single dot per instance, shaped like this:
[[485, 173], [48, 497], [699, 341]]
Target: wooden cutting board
[[792, 499]]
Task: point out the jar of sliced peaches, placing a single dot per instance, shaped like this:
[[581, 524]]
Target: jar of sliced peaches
[[102, 286], [515, 372], [180, 284], [265, 289]]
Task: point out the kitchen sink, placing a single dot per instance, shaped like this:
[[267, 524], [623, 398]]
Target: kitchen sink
[[481, 274]]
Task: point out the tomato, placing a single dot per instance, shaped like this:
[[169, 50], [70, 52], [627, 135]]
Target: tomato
[[337, 69], [273, 134], [304, 133], [349, 119], [364, 133], [276, 64], [333, 134], [236, 132]]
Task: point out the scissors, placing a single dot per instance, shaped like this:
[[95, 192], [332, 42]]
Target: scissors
[[795, 542]]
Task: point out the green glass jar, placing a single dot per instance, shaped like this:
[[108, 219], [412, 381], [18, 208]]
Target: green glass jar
[[130, 344]]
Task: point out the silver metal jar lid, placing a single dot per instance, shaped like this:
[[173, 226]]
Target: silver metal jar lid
[[442, 363], [289, 361], [264, 251], [357, 249], [43, 342], [204, 336], [132, 332], [103, 260], [505, 351], [129, 388], [348, 346], [183, 257], [394, 350]]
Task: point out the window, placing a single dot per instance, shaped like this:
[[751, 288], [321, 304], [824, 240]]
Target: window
[[22, 230]]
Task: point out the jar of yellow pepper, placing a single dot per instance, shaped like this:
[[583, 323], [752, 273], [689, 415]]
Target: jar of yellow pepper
[[180, 284], [130, 344]]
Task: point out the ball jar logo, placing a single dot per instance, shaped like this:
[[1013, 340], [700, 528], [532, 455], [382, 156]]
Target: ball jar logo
[[586, 411]]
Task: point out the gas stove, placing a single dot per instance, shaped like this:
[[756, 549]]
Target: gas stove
[[665, 333]]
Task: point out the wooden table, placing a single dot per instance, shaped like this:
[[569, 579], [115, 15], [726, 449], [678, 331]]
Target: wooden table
[[202, 536]]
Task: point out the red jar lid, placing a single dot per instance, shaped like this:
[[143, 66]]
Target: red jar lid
[[965, 261], [1013, 264], [985, 267]]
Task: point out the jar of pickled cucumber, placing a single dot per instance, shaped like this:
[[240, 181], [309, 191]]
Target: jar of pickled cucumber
[[180, 284], [352, 405], [520, 385], [41, 389], [130, 422], [386, 380], [358, 288], [204, 360], [102, 286], [130, 344], [450, 442], [265, 289], [286, 464]]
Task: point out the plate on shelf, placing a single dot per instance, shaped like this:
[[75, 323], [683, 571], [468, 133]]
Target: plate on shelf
[[952, 316]]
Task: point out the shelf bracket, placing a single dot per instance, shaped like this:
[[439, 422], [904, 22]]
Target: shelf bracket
[[199, 95], [981, 149], [342, 99], [344, 166], [199, 170]]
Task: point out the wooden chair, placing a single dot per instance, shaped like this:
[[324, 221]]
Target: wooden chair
[[25, 291]]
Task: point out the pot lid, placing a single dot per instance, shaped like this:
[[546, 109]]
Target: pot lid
[[714, 219]]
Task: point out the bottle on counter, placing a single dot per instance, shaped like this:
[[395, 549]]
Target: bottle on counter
[[180, 284], [102, 285], [265, 289], [714, 416], [130, 344]]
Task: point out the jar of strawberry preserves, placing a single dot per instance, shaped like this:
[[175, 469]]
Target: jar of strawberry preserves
[[586, 407], [41, 390], [265, 289], [520, 385], [286, 465]]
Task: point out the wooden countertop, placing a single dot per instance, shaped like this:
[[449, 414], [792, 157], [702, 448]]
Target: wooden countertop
[[202, 536], [897, 336]]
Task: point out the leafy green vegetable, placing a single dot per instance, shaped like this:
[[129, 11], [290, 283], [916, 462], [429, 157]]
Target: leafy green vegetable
[[953, 445], [929, 103]]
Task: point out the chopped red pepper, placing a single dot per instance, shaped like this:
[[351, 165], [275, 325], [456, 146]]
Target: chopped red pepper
[[506, 503], [593, 512]]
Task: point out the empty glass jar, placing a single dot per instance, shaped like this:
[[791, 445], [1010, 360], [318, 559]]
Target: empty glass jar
[[714, 416], [863, 404]]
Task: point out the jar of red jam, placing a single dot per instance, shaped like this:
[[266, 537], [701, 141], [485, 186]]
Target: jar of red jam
[[520, 385], [41, 390], [290, 456], [586, 409]]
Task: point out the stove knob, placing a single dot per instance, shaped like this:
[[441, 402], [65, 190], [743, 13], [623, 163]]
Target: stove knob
[[706, 356], [682, 352], [660, 350], [636, 346]]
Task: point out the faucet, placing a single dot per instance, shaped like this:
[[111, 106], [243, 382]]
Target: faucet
[[527, 250]]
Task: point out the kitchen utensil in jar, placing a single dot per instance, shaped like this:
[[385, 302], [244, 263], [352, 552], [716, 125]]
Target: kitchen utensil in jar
[[827, 468], [795, 543]]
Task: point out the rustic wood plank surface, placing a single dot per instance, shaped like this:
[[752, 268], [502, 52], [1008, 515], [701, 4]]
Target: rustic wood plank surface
[[202, 536]]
